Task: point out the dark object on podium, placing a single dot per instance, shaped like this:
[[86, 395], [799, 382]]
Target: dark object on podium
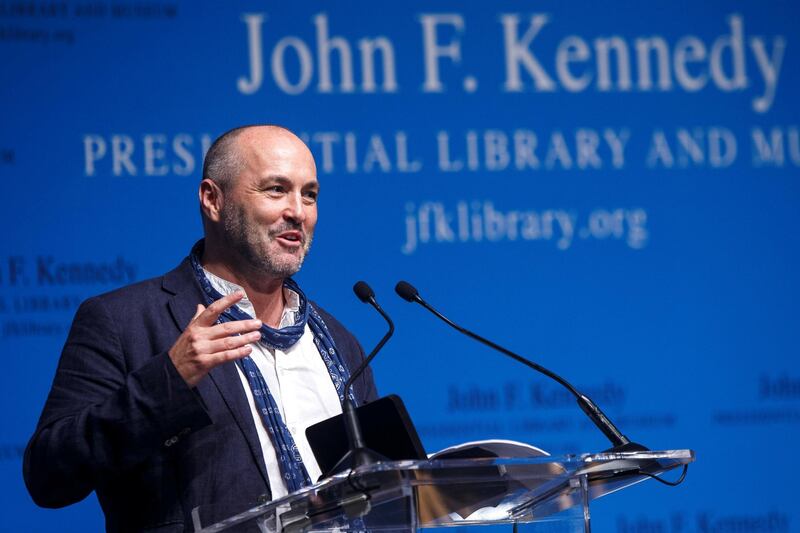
[[386, 427]]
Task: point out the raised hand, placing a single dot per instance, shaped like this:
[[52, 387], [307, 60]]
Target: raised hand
[[204, 344]]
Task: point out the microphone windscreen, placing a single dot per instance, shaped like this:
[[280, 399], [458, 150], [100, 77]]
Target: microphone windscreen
[[406, 291], [363, 291]]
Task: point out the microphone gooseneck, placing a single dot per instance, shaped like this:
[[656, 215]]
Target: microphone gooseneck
[[358, 453], [366, 295], [619, 441]]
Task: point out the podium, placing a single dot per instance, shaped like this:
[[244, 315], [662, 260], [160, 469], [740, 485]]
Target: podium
[[549, 493]]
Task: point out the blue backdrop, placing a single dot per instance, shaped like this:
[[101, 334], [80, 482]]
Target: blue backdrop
[[608, 188]]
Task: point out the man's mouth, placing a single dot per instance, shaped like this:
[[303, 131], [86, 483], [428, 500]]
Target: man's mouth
[[290, 238]]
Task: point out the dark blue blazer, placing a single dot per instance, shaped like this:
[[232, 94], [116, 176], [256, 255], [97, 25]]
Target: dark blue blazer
[[121, 421]]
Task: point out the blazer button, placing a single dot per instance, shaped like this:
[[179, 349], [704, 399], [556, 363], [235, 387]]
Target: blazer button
[[263, 499], [170, 441]]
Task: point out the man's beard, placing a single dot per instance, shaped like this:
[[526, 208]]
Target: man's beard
[[250, 242]]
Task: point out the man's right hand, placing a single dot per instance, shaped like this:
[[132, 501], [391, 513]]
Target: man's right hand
[[205, 344]]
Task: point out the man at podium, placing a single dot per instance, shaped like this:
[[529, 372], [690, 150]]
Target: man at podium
[[184, 399]]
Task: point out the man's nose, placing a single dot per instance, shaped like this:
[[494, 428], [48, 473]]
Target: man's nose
[[294, 208]]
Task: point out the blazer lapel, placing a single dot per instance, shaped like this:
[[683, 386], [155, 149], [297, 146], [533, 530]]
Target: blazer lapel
[[225, 378]]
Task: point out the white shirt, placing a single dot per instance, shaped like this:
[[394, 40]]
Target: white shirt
[[298, 381]]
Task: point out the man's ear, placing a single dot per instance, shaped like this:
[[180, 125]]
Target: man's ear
[[210, 196]]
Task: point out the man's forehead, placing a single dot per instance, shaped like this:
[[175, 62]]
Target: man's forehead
[[264, 131], [266, 139], [268, 136], [276, 148]]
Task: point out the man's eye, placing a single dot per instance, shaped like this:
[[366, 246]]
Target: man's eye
[[277, 189], [311, 195]]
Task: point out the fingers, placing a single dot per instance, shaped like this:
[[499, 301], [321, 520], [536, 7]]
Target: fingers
[[212, 312], [230, 355], [197, 313], [237, 327], [204, 344], [213, 347]]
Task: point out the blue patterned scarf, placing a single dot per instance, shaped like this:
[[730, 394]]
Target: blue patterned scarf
[[291, 464]]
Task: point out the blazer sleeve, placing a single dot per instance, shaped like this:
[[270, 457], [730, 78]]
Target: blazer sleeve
[[103, 418]]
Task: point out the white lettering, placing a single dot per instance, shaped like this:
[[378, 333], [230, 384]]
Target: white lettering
[[735, 43], [690, 147], [769, 69], [326, 45], [368, 47], [326, 139], [721, 147], [121, 151], [689, 50], [154, 155], [433, 51], [518, 53], [403, 162], [180, 145], [767, 152], [94, 148], [495, 145], [572, 49], [304, 60], [351, 162], [643, 48], [376, 153], [253, 21], [443, 145], [586, 143], [603, 49], [617, 145], [558, 151], [659, 152], [525, 150]]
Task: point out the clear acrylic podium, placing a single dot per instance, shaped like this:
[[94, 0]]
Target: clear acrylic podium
[[548, 493]]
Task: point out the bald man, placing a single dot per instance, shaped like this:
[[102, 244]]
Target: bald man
[[184, 399]]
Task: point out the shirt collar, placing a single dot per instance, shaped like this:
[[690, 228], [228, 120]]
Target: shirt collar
[[225, 287]]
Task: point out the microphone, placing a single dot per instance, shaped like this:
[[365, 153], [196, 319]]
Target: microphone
[[358, 453], [364, 292], [619, 441], [366, 295]]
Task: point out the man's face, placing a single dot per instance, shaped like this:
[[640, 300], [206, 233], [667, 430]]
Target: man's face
[[270, 210]]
